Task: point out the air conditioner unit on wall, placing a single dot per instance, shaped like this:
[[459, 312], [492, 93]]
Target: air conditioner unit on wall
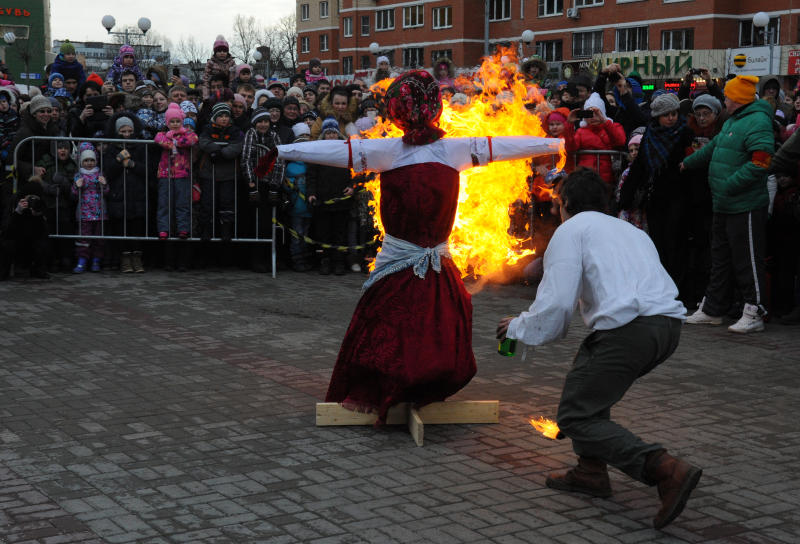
[[573, 13]]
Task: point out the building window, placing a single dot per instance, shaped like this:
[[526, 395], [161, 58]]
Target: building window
[[586, 44], [347, 26], [347, 65], [499, 10], [437, 54], [365, 61], [750, 35], [550, 7], [365, 25], [632, 39], [323, 42], [305, 12], [413, 16], [305, 46], [588, 3], [323, 10], [551, 51], [384, 19], [442, 17], [682, 38], [413, 57]]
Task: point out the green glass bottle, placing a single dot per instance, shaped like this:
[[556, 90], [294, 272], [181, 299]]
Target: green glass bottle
[[507, 347]]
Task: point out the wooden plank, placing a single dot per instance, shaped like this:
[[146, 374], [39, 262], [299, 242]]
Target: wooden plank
[[332, 413], [452, 411], [415, 426], [461, 411]]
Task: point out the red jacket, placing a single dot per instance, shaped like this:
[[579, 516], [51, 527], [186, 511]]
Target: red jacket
[[608, 136]]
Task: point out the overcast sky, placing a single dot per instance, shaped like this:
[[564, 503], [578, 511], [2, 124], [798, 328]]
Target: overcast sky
[[79, 20]]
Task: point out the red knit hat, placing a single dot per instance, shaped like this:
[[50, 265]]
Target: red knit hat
[[96, 78], [558, 114]]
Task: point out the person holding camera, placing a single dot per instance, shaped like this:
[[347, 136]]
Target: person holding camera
[[630, 108], [596, 133], [706, 84], [24, 242]]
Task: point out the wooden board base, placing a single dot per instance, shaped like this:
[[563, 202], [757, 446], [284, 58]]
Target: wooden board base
[[437, 413]]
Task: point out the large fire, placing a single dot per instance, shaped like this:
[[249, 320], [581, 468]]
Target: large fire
[[482, 242], [547, 427]]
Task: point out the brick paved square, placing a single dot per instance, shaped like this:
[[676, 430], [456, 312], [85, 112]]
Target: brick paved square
[[180, 408]]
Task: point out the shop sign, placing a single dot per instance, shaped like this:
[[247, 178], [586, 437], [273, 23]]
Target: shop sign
[[753, 61], [649, 64], [794, 62]]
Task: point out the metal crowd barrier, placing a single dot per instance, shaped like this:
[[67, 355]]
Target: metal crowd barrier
[[148, 211]]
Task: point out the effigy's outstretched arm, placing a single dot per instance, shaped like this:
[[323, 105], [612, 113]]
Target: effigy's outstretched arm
[[375, 155], [464, 153]]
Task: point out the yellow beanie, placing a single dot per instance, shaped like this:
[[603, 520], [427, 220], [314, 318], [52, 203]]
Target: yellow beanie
[[742, 89]]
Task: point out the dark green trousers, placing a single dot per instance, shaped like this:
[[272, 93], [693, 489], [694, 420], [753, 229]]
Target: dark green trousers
[[607, 364]]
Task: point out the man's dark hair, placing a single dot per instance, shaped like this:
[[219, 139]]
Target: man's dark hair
[[297, 77], [584, 191], [128, 73], [193, 92], [219, 76]]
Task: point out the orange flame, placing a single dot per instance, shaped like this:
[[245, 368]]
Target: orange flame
[[547, 427], [482, 242]]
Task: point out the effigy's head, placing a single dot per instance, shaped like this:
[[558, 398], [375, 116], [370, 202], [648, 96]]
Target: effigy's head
[[414, 103]]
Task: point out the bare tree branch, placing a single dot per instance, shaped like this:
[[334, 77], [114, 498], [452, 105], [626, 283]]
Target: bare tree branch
[[246, 33], [189, 49]]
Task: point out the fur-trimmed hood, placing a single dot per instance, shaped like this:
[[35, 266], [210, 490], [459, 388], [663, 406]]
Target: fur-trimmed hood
[[451, 67], [9, 94], [349, 116], [534, 61], [161, 71]]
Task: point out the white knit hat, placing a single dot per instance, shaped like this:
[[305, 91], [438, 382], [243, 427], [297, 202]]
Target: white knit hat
[[300, 128]]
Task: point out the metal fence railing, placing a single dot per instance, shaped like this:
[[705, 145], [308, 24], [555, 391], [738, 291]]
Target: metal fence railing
[[255, 216]]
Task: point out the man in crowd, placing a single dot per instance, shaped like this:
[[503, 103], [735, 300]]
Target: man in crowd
[[738, 158]]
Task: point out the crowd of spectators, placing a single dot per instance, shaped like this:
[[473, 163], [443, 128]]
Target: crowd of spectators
[[660, 153]]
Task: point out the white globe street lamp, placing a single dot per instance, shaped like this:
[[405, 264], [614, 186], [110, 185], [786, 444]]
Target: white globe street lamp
[[374, 48], [9, 37], [144, 24], [108, 22], [761, 20]]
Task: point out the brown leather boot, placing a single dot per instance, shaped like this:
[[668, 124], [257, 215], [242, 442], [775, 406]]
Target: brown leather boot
[[590, 477], [675, 479]]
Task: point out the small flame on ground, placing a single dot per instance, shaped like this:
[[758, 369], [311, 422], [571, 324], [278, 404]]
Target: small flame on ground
[[547, 427], [481, 243]]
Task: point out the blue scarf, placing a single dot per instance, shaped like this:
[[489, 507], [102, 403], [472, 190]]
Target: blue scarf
[[636, 92]]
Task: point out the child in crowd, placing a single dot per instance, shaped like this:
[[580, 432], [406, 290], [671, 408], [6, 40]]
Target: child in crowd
[[67, 65], [222, 144], [55, 85], [244, 74], [636, 217], [241, 117], [125, 61], [90, 189], [596, 133], [314, 72], [328, 189], [9, 123], [125, 166], [299, 209], [174, 174], [59, 207], [263, 192], [221, 62]]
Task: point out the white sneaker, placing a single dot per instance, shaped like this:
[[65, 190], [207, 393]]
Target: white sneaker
[[750, 321], [702, 318]]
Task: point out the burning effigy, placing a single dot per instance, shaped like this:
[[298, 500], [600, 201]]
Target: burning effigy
[[500, 103]]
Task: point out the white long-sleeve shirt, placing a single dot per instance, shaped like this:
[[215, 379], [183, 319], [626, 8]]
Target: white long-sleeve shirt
[[608, 266], [379, 155]]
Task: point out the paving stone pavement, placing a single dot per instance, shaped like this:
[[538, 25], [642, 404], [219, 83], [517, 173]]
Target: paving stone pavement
[[180, 408]]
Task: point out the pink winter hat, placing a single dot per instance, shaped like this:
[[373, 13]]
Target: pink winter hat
[[220, 43], [241, 67], [174, 111]]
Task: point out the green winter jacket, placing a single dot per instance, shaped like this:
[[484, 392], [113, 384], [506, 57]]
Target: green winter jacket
[[737, 184]]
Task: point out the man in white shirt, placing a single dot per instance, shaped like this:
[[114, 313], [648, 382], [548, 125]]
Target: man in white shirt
[[613, 271]]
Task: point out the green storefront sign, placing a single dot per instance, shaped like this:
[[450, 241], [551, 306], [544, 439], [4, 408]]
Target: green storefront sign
[[25, 55]]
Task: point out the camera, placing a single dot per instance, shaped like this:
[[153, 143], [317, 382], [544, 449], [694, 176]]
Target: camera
[[35, 204], [176, 72], [585, 114]]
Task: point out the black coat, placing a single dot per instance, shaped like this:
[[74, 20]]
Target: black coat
[[127, 186], [29, 154], [328, 182]]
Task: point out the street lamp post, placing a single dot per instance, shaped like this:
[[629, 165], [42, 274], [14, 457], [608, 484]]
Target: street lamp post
[[262, 53], [10, 38], [761, 20], [109, 22], [527, 39]]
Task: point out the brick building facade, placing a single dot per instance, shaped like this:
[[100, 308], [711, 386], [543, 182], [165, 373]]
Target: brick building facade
[[569, 34]]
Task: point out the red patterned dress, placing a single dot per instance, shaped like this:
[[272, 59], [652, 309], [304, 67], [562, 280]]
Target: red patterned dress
[[410, 339]]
